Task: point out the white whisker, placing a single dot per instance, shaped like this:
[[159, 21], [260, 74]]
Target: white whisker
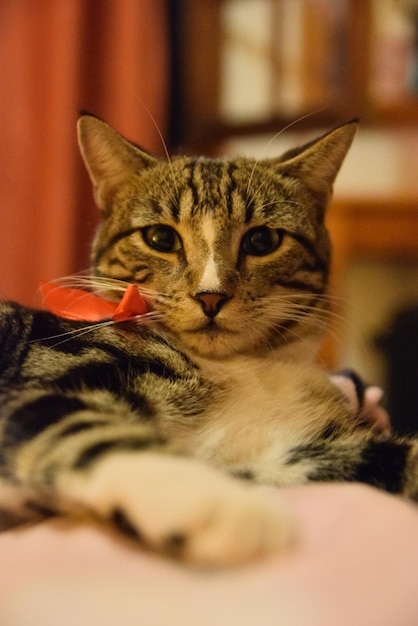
[[71, 334], [150, 316], [294, 307], [174, 196], [279, 202], [272, 139], [98, 285]]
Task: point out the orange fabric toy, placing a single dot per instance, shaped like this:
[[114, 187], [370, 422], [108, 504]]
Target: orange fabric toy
[[76, 304]]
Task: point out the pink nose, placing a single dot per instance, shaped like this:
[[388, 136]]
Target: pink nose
[[212, 302]]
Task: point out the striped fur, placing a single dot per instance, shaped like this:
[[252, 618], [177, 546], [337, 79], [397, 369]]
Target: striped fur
[[150, 427]]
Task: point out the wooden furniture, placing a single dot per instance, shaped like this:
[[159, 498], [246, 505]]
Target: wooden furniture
[[378, 228], [368, 229], [323, 61]]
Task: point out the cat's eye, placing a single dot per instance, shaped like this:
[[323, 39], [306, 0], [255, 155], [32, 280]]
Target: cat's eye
[[261, 241], [162, 238]]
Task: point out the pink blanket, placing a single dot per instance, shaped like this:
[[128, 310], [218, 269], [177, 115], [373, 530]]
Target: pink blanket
[[355, 564]]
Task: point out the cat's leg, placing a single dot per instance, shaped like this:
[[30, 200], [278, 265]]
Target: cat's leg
[[16, 506], [360, 455], [79, 457], [179, 505]]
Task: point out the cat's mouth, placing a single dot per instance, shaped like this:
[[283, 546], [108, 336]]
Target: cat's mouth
[[215, 339], [212, 329], [211, 339]]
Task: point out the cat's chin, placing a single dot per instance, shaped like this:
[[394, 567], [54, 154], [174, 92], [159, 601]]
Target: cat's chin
[[210, 343], [217, 344]]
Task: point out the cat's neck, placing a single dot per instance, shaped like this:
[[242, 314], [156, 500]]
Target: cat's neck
[[302, 352], [273, 392]]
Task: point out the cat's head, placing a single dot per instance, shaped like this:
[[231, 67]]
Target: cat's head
[[235, 249]]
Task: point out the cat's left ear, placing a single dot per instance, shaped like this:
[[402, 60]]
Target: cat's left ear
[[318, 162], [110, 159]]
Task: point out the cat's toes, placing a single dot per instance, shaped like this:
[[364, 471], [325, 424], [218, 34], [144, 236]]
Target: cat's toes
[[205, 516], [235, 526], [182, 507]]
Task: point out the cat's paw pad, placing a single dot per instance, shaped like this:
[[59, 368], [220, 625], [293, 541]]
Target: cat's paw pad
[[181, 506]]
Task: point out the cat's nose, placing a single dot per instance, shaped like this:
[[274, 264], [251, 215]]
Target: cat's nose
[[212, 302]]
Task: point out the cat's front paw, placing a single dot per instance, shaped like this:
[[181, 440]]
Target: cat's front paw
[[183, 507]]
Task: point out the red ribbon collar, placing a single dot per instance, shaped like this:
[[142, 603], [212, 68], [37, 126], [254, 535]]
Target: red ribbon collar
[[76, 304]]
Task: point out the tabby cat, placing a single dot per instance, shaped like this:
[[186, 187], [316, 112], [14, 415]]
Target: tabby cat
[[162, 427]]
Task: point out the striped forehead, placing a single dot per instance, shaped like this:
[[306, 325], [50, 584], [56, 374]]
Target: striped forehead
[[206, 207], [210, 187], [212, 207]]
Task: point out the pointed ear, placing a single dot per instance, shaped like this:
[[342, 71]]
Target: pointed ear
[[317, 163], [110, 159]]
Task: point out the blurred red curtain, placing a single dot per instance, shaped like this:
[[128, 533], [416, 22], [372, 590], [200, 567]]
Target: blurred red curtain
[[56, 58]]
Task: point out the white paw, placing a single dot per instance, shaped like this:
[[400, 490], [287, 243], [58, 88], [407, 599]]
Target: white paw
[[179, 505]]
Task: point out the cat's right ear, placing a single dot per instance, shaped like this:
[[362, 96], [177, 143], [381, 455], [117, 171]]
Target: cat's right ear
[[110, 159]]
